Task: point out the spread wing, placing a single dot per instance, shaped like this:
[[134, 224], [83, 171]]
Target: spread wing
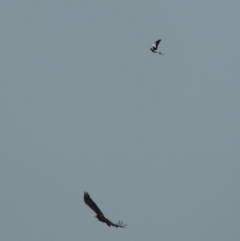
[[120, 224], [91, 204], [155, 45]]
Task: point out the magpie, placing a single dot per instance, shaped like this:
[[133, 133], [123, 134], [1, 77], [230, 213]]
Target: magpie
[[155, 46]]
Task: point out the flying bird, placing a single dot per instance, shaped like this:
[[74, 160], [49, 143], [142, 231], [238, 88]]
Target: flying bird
[[100, 216], [155, 46]]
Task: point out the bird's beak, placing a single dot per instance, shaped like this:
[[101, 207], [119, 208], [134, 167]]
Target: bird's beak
[[95, 216]]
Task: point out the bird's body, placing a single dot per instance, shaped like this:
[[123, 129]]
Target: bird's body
[[100, 216], [155, 46]]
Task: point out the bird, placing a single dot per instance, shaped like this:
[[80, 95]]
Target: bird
[[100, 216], [155, 46]]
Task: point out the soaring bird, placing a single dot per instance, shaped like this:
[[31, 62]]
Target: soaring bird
[[100, 216], [155, 46]]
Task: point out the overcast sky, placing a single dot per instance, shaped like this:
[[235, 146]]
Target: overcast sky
[[85, 106]]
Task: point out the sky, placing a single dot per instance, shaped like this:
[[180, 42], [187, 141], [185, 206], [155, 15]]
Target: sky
[[85, 106]]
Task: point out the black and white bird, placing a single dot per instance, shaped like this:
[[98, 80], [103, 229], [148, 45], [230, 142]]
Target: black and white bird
[[155, 46]]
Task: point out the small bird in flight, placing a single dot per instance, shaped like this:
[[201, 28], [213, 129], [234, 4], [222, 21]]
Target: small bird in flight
[[155, 46], [100, 216]]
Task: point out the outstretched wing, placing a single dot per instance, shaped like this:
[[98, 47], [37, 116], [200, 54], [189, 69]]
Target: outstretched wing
[[120, 224], [91, 204], [155, 45]]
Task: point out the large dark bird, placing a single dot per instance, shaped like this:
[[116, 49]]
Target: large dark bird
[[100, 216], [155, 46]]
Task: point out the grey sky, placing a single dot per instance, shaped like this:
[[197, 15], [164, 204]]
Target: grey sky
[[85, 106]]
